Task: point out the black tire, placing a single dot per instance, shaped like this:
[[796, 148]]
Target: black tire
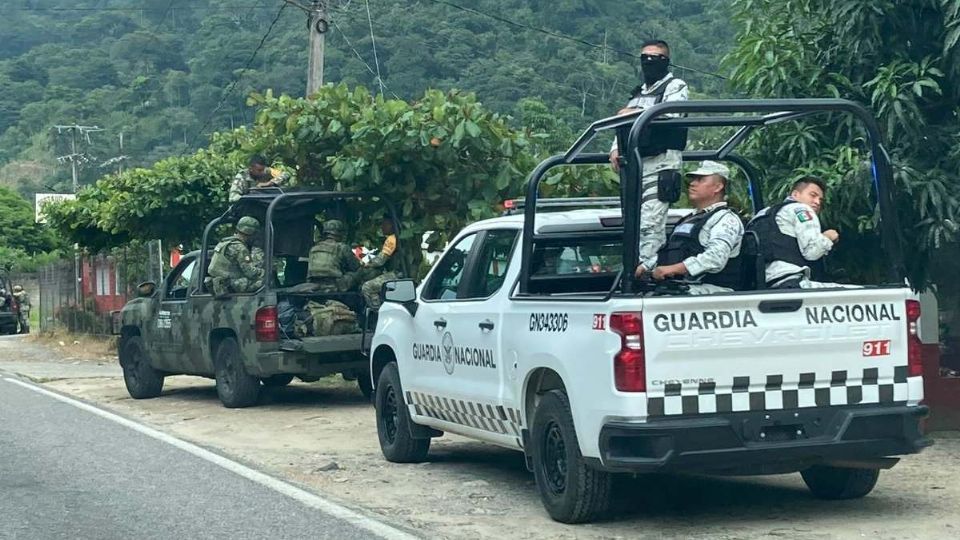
[[571, 491], [235, 387], [278, 381], [837, 483], [141, 380], [393, 421], [366, 385]]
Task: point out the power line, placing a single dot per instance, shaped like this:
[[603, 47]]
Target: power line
[[233, 86], [559, 35], [359, 56], [373, 40]]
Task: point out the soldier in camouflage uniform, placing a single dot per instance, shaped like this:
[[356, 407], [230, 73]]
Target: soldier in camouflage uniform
[[257, 175], [383, 264], [232, 267], [332, 264], [23, 300]]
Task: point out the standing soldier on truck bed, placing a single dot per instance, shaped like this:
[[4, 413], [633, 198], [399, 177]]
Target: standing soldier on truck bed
[[660, 147], [232, 268], [258, 175]]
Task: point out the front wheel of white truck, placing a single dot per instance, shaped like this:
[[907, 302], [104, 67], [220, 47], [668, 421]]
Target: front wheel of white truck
[[393, 421], [571, 491]]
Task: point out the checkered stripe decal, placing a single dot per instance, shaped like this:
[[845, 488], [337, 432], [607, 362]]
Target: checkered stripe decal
[[492, 418], [772, 394]]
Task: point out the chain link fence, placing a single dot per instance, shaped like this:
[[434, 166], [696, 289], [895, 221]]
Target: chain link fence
[[83, 294]]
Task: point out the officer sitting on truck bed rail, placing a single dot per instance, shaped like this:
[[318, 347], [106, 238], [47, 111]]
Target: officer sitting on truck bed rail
[[791, 241], [704, 246]]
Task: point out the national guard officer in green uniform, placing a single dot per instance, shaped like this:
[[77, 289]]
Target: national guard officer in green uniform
[[332, 265], [233, 269]]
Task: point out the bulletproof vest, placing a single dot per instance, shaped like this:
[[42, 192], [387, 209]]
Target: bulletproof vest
[[777, 246], [655, 139], [220, 264], [324, 260], [684, 242], [332, 318]]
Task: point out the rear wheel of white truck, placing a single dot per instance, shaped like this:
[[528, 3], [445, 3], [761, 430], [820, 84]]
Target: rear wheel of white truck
[[571, 491], [836, 483], [393, 421]]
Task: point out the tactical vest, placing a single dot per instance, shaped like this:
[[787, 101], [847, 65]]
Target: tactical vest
[[324, 260], [220, 264], [777, 246], [656, 140], [684, 242]]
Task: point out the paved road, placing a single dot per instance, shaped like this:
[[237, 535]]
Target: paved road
[[68, 472]]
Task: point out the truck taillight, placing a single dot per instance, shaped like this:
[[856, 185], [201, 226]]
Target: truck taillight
[[266, 324], [629, 364], [914, 345]]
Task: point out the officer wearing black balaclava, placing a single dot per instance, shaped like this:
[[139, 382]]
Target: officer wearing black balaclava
[[660, 148]]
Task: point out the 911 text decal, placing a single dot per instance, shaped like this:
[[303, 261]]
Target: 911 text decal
[[549, 322]]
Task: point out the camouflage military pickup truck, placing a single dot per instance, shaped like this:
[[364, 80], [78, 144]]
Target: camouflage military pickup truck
[[179, 327]]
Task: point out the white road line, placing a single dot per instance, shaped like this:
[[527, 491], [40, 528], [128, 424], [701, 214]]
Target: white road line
[[305, 497]]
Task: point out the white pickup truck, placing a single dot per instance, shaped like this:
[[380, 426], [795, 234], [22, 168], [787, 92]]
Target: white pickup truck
[[526, 334]]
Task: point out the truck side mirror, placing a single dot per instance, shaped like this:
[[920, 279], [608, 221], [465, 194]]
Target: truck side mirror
[[146, 289], [401, 291]]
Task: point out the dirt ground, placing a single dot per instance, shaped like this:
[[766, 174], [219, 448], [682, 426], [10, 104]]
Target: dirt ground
[[322, 436]]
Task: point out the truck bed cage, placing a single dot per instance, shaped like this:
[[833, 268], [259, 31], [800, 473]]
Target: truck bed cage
[[749, 115]]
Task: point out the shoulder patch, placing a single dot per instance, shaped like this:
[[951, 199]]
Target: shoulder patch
[[804, 215]]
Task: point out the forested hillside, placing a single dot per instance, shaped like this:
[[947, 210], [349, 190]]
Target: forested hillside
[[157, 71]]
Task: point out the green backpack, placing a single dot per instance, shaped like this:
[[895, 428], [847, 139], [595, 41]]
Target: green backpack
[[332, 318]]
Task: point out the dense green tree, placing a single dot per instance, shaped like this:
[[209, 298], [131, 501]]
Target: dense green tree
[[20, 231], [901, 60]]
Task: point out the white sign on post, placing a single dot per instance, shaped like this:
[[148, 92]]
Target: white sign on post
[[45, 198]]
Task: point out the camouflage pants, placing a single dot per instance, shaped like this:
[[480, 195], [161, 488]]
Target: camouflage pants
[[371, 289], [227, 285], [340, 284]]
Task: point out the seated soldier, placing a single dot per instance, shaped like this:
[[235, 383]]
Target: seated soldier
[[232, 267], [704, 247], [332, 265], [383, 264]]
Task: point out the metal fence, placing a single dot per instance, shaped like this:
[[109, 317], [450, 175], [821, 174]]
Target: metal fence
[[81, 294]]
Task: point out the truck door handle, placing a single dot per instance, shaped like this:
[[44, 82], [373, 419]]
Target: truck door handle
[[486, 325], [440, 323], [780, 306]]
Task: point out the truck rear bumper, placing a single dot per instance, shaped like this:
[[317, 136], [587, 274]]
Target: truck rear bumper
[[299, 363], [758, 443]]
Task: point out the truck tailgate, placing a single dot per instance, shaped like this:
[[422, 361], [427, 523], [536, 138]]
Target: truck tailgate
[[756, 352]]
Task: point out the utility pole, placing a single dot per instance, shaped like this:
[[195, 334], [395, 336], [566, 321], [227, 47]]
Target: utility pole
[[318, 22], [75, 158]]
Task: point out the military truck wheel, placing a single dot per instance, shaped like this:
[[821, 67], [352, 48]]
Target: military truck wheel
[[571, 491], [393, 421], [836, 483], [235, 387], [277, 381], [142, 381], [366, 385]]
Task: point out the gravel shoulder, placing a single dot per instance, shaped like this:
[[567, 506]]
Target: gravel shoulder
[[322, 436]]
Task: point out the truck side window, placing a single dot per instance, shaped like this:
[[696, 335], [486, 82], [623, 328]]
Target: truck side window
[[494, 257], [445, 281], [178, 283]]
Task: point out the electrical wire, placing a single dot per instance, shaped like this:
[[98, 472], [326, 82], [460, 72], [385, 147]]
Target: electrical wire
[[358, 55], [559, 35], [233, 86], [373, 40]]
